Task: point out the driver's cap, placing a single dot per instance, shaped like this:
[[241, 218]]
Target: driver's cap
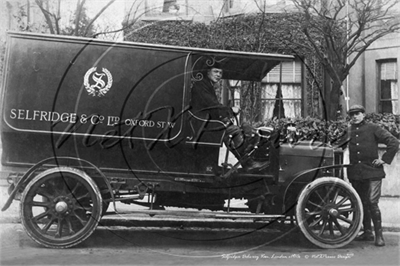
[[356, 108]]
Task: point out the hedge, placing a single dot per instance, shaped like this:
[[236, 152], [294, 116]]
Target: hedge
[[310, 128]]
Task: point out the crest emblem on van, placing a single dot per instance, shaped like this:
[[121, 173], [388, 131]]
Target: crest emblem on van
[[97, 83]]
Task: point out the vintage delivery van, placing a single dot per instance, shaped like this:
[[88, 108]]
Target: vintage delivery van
[[86, 123]]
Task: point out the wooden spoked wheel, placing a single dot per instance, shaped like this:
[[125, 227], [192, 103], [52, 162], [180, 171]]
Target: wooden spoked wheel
[[61, 207], [329, 212]]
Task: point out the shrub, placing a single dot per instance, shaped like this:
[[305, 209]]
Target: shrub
[[390, 122], [329, 131]]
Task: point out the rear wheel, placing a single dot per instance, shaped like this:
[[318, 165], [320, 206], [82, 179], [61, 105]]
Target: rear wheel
[[329, 212], [61, 207]]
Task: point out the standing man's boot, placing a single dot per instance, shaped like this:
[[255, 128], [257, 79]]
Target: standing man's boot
[[376, 218], [367, 235]]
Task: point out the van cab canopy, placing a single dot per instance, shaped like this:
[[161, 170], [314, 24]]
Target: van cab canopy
[[250, 68]]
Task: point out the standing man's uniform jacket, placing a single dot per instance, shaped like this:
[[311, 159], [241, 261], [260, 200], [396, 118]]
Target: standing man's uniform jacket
[[362, 140]]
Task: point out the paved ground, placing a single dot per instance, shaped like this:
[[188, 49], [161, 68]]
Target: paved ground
[[192, 246]]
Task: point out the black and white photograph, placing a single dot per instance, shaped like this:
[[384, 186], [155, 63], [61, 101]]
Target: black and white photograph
[[199, 132]]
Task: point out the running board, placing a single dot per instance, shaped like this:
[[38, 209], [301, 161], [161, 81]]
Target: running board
[[201, 214]]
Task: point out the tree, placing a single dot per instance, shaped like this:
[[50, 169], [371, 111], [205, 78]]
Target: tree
[[60, 18], [81, 25], [345, 29]]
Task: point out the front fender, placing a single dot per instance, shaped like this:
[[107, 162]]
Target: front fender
[[321, 168], [298, 175]]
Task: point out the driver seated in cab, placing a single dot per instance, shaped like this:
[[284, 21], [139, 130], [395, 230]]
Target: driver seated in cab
[[205, 102]]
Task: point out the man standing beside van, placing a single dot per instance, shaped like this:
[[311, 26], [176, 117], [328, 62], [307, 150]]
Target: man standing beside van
[[204, 102], [366, 171]]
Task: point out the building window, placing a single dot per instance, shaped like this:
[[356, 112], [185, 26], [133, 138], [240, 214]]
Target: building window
[[279, 97], [154, 8], [283, 97], [170, 6], [388, 87]]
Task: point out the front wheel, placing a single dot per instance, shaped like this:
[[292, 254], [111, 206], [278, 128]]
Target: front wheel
[[61, 207], [329, 212]]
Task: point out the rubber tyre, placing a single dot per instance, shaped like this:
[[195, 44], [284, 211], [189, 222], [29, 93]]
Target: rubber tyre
[[69, 211], [329, 212]]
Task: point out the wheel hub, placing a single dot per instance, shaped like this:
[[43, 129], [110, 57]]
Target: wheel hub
[[61, 207], [334, 212]]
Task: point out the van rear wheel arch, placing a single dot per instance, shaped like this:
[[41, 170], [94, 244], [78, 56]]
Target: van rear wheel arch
[[89, 168]]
